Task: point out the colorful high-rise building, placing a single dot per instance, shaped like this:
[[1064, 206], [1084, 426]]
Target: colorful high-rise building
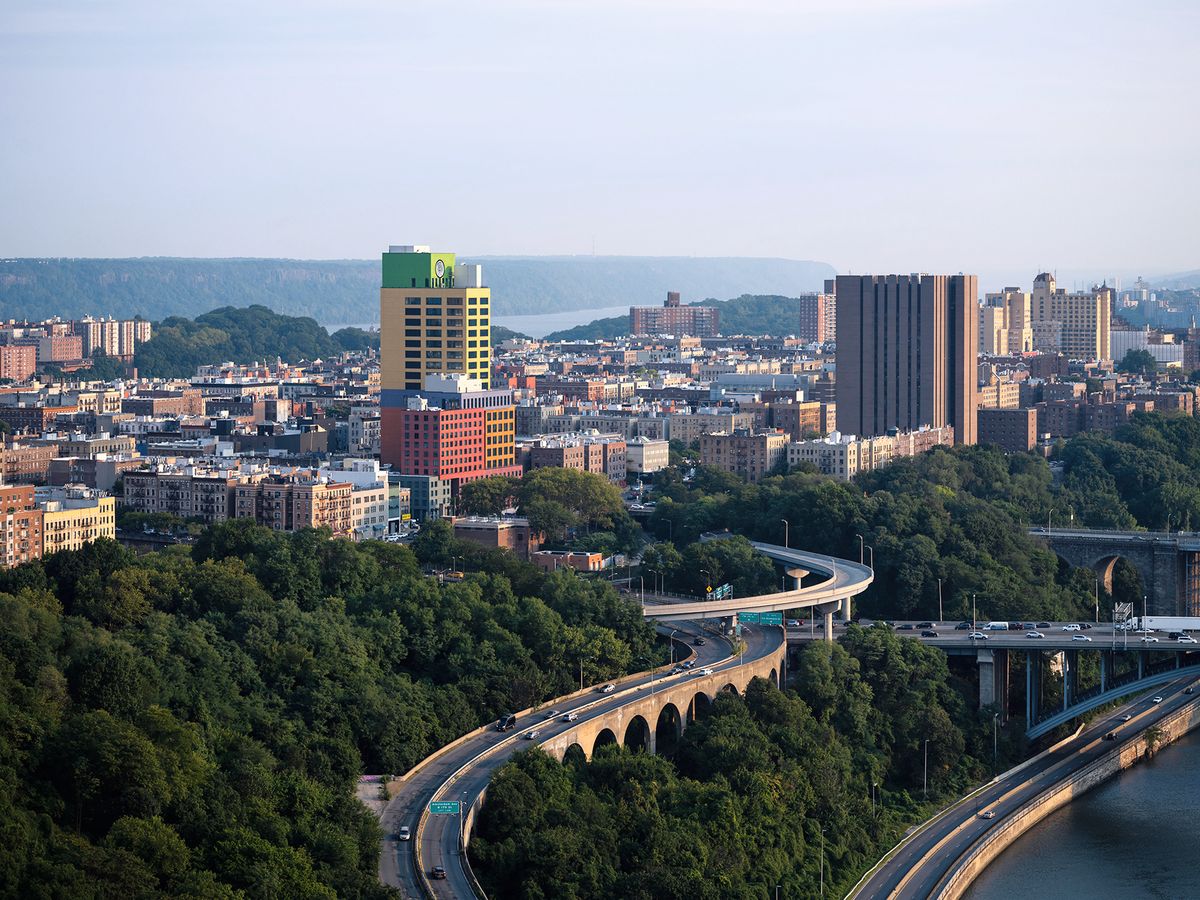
[[435, 317]]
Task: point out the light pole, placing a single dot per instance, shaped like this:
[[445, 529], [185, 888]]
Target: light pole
[[973, 621], [671, 641], [1048, 515], [642, 591], [925, 780], [822, 861], [786, 527], [861, 544], [941, 618], [1097, 599], [874, 784], [872, 564]]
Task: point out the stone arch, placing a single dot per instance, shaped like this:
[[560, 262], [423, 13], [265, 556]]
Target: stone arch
[[603, 739], [638, 736], [700, 706], [730, 688], [668, 729], [575, 756], [775, 678]]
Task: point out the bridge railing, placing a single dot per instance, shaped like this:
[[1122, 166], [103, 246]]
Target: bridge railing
[[1069, 530]]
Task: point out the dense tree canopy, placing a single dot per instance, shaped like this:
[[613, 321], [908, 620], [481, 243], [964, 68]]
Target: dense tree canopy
[[192, 724]]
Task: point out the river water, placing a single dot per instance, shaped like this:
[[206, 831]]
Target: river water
[[1135, 836]]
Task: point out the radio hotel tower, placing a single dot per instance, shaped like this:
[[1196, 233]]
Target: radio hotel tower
[[906, 352]]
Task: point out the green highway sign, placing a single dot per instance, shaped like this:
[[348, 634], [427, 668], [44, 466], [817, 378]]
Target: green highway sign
[[444, 807], [766, 618]]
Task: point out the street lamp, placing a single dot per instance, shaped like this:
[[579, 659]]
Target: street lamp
[[872, 564], [941, 618], [1048, 515], [786, 527], [861, 544], [995, 725]]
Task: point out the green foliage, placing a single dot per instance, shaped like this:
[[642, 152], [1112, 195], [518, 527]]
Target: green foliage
[[742, 805], [562, 502], [242, 335], [487, 496], [193, 725], [1139, 362], [500, 334], [596, 330]]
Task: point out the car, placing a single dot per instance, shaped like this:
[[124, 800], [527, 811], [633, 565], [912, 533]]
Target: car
[[1174, 635], [506, 723], [928, 632], [1187, 639], [1035, 635], [531, 734], [1156, 699], [1071, 627], [1189, 690], [977, 636], [437, 872], [1043, 624], [905, 627], [698, 642], [1149, 640], [1029, 626], [1110, 736], [404, 834], [1126, 717], [962, 626], [608, 689], [987, 814], [705, 672], [1080, 637], [1085, 625], [690, 664], [676, 670], [551, 714], [794, 623], [570, 717], [924, 624]]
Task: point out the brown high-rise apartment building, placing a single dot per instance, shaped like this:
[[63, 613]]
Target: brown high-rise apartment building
[[671, 318], [907, 351], [818, 319]]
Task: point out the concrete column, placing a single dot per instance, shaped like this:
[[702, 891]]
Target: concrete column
[[1001, 689], [1105, 663], [1179, 660], [1141, 657], [652, 742], [829, 627], [1029, 688], [1035, 699], [1070, 677], [986, 661]]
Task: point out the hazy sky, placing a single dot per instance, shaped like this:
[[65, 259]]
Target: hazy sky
[[877, 135]]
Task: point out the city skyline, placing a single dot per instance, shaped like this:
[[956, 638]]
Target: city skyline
[[1033, 138]]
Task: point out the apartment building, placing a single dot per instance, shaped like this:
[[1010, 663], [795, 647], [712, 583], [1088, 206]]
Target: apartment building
[[673, 318], [20, 525], [73, 516], [753, 455]]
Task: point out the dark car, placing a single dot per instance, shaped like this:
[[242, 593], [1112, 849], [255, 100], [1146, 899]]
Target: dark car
[[1110, 736], [1189, 690], [437, 872], [905, 627], [1043, 625], [506, 723], [924, 624], [928, 633], [699, 642], [963, 626]]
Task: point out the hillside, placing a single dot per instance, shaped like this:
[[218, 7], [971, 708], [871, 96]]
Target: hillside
[[179, 344], [341, 292], [747, 314]]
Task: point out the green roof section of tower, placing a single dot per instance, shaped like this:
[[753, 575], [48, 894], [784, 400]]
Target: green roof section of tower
[[415, 266]]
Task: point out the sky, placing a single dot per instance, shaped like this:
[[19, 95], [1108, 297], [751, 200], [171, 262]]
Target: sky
[[876, 135]]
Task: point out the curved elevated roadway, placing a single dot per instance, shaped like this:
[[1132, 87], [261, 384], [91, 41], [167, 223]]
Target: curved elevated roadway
[[841, 580], [919, 868], [463, 773]]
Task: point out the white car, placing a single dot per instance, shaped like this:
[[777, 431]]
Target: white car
[[1070, 627], [705, 672], [1034, 634], [551, 714], [1080, 637], [1126, 717], [571, 717], [977, 636], [608, 689], [1156, 700], [987, 814], [530, 735], [1186, 639], [1150, 640], [404, 834]]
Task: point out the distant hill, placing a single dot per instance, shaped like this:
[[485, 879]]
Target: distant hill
[[179, 344], [341, 292], [747, 314], [1179, 281]]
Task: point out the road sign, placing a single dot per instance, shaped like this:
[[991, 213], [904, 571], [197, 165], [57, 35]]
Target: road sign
[[1122, 611], [444, 807], [763, 618], [720, 592]]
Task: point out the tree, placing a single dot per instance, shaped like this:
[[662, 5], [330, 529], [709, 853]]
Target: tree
[[487, 496], [1138, 362]]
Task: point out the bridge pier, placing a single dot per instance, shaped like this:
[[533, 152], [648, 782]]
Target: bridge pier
[[1033, 686], [1141, 658], [993, 679], [1106, 662], [1070, 677]]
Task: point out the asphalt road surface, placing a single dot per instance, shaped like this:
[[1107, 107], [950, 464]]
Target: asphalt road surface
[[490, 750], [963, 825]]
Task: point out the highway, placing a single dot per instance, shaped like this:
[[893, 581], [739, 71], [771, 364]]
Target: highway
[[917, 869], [479, 757]]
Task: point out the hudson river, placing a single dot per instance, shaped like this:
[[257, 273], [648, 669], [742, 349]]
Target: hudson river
[[1135, 836]]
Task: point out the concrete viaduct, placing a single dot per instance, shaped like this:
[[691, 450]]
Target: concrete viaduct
[[1169, 563], [657, 720]]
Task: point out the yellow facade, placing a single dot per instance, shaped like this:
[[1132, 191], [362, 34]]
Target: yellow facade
[[68, 526], [443, 330]]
